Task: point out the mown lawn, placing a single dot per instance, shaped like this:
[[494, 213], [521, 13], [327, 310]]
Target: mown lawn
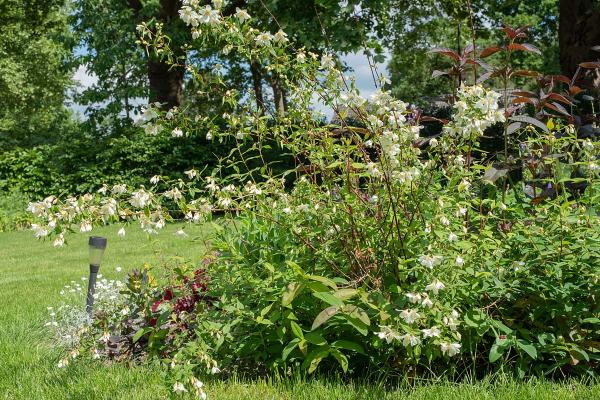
[[32, 273]]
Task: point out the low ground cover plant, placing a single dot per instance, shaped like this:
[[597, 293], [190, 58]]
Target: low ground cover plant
[[380, 250]]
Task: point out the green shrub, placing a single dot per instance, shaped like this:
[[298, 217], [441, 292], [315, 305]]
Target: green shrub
[[370, 254]]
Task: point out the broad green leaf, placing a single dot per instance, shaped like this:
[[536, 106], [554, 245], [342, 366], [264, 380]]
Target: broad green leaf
[[358, 313], [345, 294], [312, 360], [315, 338], [140, 333], [289, 348], [296, 330], [324, 316], [527, 348], [495, 353], [290, 293], [328, 298], [323, 280], [348, 345], [342, 359]]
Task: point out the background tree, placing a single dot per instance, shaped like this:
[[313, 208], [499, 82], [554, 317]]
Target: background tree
[[579, 31], [35, 71]]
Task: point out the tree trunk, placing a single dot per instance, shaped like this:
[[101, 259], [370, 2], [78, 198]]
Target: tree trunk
[[166, 83], [578, 32], [257, 84], [166, 80], [278, 96]]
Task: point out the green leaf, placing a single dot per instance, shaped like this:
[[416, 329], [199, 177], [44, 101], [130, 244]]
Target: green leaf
[[348, 345], [345, 294], [289, 348], [296, 330], [311, 362], [315, 338], [140, 333], [496, 352], [323, 280], [290, 293], [328, 298], [342, 359], [358, 313], [502, 327], [591, 321], [324, 316], [527, 348]]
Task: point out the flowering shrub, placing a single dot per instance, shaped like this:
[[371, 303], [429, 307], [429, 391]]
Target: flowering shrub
[[370, 252]]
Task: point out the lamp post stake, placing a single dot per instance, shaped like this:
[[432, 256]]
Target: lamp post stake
[[97, 246]]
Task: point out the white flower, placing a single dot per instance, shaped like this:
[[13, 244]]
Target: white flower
[[121, 232], [430, 261], [263, 39], [452, 237], [444, 221], [215, 370], [139, 198], [287, 210], [209, 16], [413, 297], [217, 3], [152, 130], [39, 231], [181, 233], [105, 337], [63, 363], [450, 349], [59, 241], [118, 269], [426, 301], [196, 383], [95, 354], [179, 388], [387, 334], [434, 331], [459, 261], [177, 132], [410, 340], [155, 179], [587, 145], [191, 173], [119, 189], [410, 316], [241, 15], [327, 62], [435, 286], [464, 185], [209, 136], [86, 226], [280, 37]]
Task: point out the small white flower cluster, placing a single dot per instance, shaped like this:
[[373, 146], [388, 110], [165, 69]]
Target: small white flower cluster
[[196, 385], [69, 320], [476, 109]]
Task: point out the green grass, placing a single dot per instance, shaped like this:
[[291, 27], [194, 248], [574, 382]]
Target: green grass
[[32, 273]]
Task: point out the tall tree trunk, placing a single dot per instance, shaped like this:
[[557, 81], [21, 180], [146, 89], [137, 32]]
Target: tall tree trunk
[[257, 83], [166, 80], [578, 32], [278, 96], [166, 83]]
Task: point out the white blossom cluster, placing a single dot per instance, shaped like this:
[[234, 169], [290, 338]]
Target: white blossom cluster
[[475, 110], [412, 318], [69, 321]]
